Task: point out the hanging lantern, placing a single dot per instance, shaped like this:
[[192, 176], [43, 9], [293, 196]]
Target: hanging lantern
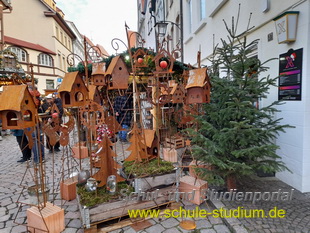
[[286, 26]]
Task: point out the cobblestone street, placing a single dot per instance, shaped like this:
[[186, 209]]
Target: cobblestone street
[[11, 174]]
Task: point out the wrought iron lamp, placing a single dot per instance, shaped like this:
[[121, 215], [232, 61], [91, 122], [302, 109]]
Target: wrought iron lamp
[[161, 28]]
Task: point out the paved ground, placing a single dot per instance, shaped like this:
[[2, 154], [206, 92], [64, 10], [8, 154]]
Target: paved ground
[[297, 217], [11, 176]]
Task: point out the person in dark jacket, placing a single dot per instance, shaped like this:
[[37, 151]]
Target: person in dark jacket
[[123, 106], [23, 144]]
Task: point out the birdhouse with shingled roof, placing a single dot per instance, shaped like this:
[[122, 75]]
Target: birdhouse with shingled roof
[[73, 91], [98, 74], [17, 107], [117, 74], [198, 87]]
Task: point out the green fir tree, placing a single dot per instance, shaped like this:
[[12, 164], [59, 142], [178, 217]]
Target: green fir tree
[[234, 135]]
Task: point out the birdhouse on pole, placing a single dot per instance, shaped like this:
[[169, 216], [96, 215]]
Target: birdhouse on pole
[[94, 94], [73, 91], [98, 74], [117, 74], [198, 87], [17, 107]]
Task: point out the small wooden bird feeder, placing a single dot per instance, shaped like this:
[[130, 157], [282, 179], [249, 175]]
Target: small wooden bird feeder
[[139, 58], [177, 92], [98, 74], [117, 74], [151, 141], [73, 91], [164, 62], [17, 107], [198, 87]]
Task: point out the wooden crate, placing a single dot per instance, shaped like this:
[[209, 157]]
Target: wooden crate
[[189, 183], [68, 188], [76, 152], [53, 217], [175, 142], [105, 212], [170, 154], [147, 183]]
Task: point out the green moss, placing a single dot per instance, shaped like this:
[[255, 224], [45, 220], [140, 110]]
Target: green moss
[[148, 168], [101, 195]]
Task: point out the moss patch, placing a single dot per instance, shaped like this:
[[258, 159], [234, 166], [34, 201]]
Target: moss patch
[[148, 168], [100, 196]]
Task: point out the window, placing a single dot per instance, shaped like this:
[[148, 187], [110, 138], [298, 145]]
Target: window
[[50, 84], [69, 44], [177, 32], [172, 38], [202, 9], [66, 41], [149, 26], [45, 60], [64, 63], [20, 53], [57, 33], [61, 37], [190, 16], [59, 61]]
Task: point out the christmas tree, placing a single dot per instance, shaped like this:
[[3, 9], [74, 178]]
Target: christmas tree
[[138, 148], [235, 135], [108, 166]]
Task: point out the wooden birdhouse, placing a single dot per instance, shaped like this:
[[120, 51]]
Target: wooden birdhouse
[[73, 91], [98, 74], [198, 87], [177, 92], [151, 141], [117, 74], [17, 107], [94, 94]]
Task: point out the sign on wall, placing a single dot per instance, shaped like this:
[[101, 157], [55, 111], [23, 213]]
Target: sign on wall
[[290, 71]]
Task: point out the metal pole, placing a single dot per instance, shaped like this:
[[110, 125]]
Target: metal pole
[[2, 32], [86, 63], [181, 27], [134, 84]]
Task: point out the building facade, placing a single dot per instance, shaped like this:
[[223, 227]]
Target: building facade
[[43, 40], [78, 44], [203, 27]]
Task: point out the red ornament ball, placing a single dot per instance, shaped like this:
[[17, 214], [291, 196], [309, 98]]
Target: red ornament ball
[[140, 60], [163, 64], [55, 115]]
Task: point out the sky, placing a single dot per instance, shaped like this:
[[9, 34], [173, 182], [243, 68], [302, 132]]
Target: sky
[[101, 20]]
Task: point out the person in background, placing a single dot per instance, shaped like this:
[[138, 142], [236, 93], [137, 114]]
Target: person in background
[[123, 111], [47, 108], [0, 130], [23, 144]]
